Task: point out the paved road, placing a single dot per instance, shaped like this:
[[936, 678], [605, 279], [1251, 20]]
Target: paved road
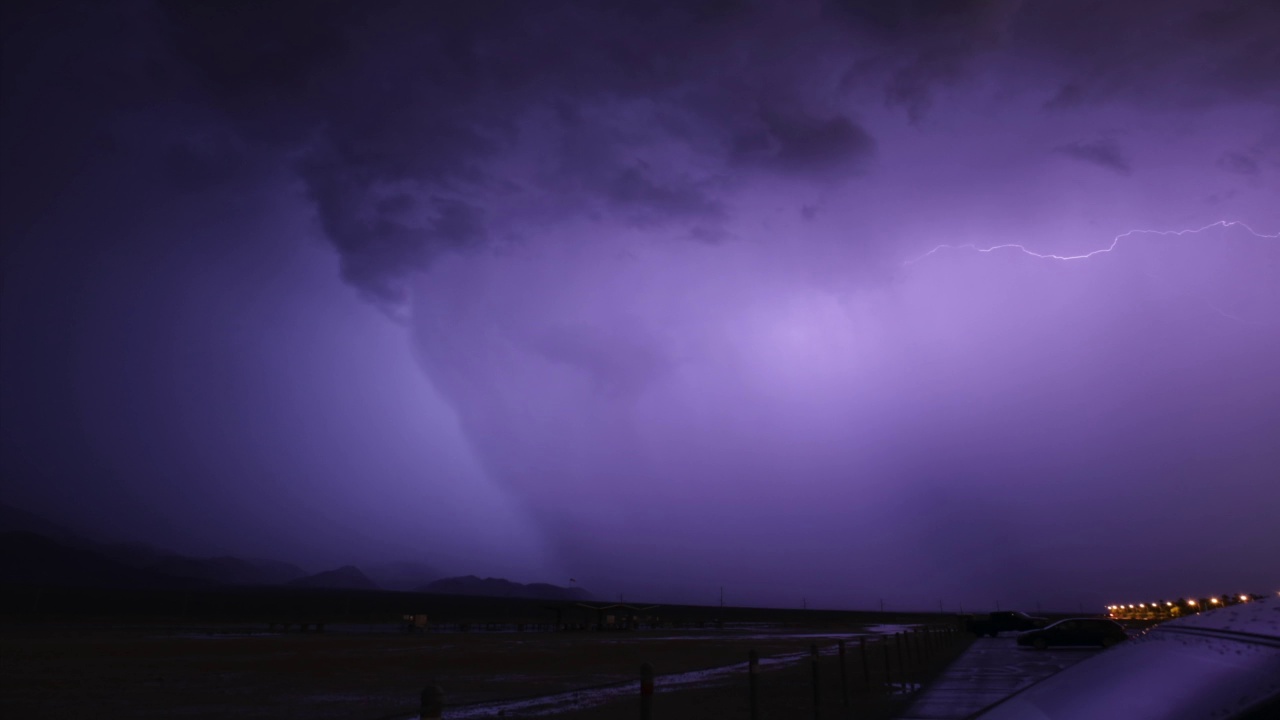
[[989, 671]]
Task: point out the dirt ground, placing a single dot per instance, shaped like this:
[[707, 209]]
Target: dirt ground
[[103, 671]]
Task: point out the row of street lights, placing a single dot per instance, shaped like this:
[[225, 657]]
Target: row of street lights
[[1175, 608]]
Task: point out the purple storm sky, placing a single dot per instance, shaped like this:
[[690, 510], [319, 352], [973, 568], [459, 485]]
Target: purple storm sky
[[662, 296]]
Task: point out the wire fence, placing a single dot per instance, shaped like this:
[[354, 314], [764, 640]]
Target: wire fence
[[833, 681]]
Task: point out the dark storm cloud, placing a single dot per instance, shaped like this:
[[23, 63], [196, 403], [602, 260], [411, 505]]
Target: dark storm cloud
[[1103, 153], [377, 245], [807, 146], [434, 99], [923, 45], [202, 162], [64, 81], [645, 201], [457, 223], [1069, 95], [1245, 58], [1182, 52], [367, 106], [1238, 163]]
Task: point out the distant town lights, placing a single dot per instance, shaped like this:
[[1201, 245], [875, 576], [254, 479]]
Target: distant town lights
[[1244, 598]]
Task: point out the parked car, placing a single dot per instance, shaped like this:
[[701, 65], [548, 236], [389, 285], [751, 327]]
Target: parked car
[[1074, 631], [1216, 665], [1007, 621]]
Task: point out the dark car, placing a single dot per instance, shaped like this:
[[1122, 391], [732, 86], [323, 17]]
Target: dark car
[[1074, 631], [998, 622]]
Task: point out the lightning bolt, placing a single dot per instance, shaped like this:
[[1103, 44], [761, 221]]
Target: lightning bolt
[[1115, 242]]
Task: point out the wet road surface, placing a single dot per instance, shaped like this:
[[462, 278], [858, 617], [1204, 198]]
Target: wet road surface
[[989, 671]]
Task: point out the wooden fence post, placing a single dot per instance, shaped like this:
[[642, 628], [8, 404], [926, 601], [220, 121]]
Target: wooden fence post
[[432, 705], [866, 666], [646, 691], [902, 665], [817, 696], [888, 674], [909, 655], [919, 659], [844, 677]]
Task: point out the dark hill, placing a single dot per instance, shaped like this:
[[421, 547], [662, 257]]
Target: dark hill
[[228, 570], [402, 575], [347, 577], [14, 520], [498, 587], [133, 554], [30, 559], [87, 562]]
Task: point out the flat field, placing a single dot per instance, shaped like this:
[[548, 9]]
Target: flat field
[[368, 672]]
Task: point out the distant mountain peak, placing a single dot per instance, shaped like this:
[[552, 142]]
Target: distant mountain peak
[[402, 575], [347, 577], [500, 587], [228, 570]]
